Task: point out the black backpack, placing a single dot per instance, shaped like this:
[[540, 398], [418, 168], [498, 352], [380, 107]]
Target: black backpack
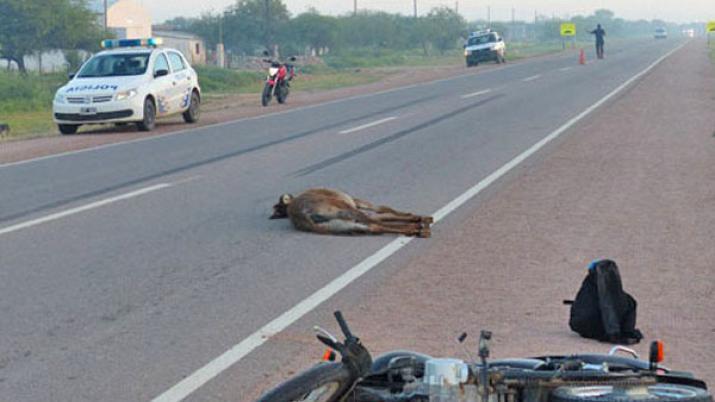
[[602, 309]]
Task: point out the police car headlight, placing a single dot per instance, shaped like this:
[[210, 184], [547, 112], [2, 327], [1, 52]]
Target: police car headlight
[[59, 98], [126, 94], [467, 52]]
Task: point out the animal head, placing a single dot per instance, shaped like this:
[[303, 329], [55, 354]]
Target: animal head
[[280, 210]]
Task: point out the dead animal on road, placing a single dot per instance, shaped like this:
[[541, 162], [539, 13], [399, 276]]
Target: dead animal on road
[[328, 211]]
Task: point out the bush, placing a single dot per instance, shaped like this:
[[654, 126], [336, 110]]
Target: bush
[[213, 79], [366, 58], [28, 92]]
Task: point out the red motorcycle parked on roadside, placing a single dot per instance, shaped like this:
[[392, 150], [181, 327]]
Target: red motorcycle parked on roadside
[[278, 81]]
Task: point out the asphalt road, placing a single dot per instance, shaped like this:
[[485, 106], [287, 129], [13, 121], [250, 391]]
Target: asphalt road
[[125, 269]]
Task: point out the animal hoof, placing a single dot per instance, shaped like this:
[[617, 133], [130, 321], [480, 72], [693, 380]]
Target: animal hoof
[[427, 220], [424, 233]]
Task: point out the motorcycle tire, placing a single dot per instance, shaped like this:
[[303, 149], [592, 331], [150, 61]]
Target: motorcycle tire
[[325, 382], [266, 96], [282, 94], [650, 393]]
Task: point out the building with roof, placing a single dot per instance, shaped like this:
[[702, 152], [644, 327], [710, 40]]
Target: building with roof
[[129, 19], [190, 45]]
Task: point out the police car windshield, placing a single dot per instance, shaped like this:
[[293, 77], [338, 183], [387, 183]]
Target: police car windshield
[[115, 65], [482, 39]]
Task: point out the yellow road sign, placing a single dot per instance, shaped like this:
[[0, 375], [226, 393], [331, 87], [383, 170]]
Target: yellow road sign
[[568, 29], [711, 26]]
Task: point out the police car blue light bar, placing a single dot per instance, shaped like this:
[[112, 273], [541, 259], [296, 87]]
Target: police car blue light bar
[[116, 43]]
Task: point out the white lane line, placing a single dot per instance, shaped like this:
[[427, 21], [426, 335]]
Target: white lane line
[[533, 77], [213, 368], [565, 68], [473, 94], [97, 204], [368, 125]]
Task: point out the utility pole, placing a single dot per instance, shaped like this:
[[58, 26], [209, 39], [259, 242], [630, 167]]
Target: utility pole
[[456, 6], [354, 7], [105, 16], [489, 16], [220, 56], [267, 17], [414, 7]]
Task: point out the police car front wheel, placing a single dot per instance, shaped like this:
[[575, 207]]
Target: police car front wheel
[[191, 115], [149, 121], [67, 129]]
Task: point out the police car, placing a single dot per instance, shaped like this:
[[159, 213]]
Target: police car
[[133, 81], [484, 46]]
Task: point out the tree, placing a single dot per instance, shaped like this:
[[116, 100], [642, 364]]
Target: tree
[[31, 26], [446, 27], [312, 30], [255, 22]]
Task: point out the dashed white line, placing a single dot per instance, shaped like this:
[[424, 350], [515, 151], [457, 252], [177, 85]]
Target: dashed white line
[[368, 125], [473, 94], [565, 68], [532, 78], [97, 204], [215, 367]]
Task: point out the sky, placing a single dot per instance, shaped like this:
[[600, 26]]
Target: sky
[[670, 10]]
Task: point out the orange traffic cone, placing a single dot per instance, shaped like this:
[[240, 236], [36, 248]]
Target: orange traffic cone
[[582, 57]]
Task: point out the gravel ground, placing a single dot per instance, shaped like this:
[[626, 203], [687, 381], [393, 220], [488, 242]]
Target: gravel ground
[[634, 182]]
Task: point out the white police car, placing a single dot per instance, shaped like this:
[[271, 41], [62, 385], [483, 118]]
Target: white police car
[[133, 82], [484, 46]]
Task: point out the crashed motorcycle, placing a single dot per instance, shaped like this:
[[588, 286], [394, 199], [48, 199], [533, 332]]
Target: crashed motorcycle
[[278, 81], [405, 376]]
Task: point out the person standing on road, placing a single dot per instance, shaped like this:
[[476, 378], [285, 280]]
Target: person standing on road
[[600, 33]]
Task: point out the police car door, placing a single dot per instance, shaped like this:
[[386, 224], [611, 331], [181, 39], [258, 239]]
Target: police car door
[[163, 84], [181, 81]]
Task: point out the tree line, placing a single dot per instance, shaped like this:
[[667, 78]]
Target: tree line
[[30, 27], [249, 27]]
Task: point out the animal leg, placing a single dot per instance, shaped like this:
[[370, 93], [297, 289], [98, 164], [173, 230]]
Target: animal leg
[[387, 211], [403, 229], [424, 221]]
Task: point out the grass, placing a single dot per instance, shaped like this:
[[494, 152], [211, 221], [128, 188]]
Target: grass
[[215, 81], [371, 58], [26, 102]]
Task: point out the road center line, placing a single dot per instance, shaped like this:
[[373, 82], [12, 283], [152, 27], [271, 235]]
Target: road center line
[[215, 367], [368, 125], [565, 68], [473, 94], [533, 77], [97, 204]]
